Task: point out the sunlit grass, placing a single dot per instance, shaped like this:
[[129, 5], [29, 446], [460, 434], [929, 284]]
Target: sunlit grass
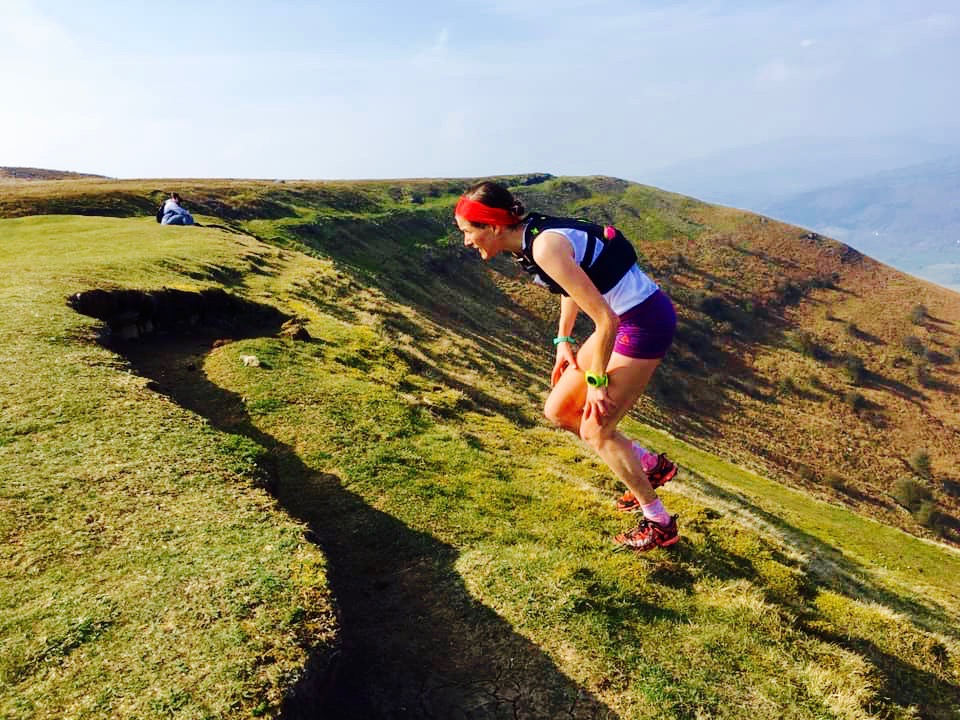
[[144, 573]]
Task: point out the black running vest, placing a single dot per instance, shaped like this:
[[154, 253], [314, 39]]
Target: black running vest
[[616, 256]]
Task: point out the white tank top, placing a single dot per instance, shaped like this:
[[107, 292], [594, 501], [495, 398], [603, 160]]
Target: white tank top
[[633, 288]]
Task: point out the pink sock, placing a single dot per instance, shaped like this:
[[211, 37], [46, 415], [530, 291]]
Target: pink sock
[[648, 460], [657, 512]]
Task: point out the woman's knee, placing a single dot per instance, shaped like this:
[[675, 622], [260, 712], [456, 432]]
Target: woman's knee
[[594, 434], [561, 415], [557, 415]]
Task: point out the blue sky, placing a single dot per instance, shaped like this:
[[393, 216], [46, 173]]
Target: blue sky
[[459, 88]]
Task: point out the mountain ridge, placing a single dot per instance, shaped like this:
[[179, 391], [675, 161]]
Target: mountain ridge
[[30, 173], [754, 176]]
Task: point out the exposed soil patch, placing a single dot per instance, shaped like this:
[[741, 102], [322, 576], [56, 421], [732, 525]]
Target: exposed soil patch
[[133, 314]]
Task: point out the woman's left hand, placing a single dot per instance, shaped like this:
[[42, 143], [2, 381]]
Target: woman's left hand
[[598, 404]]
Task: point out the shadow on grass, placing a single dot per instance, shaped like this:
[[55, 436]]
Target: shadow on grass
[[910, 685], [901, 390], [829, 566], [904, 683], [415, 644], [478, 399], [941, 385], [861, 334], [940, 321]]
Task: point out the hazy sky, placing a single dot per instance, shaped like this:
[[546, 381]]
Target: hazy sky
[[357, 89]]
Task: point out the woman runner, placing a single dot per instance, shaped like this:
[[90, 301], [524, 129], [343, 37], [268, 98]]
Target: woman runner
[[594, 269]]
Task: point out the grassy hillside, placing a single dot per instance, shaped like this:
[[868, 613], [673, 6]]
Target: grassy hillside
[[146, 571], [179, 523]]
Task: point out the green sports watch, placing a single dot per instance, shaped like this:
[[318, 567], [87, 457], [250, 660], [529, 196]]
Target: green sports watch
[[597, 381]]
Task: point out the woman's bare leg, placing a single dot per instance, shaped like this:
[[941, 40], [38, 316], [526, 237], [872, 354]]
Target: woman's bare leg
[[564, 405], [628, 381]]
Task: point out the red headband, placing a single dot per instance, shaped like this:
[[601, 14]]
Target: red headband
[[477, 212]]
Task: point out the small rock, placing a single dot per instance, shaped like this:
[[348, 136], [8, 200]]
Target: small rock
[[294, 329]]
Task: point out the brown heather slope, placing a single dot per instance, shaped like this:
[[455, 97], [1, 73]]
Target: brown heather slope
[[803, 413], [790, 355]]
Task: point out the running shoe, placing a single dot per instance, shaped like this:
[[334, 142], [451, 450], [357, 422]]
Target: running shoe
[[649, 535], [628, 502], [663, 473]]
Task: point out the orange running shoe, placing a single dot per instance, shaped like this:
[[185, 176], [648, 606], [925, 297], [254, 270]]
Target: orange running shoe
[[649, 535]]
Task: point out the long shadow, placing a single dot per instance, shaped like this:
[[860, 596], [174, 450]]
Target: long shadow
[[484, 402], [901, 390], [939, 358], [843, 574], [942, 386], [415, 644], [933, 696], [936, 695], [861, 334], [940, 321]]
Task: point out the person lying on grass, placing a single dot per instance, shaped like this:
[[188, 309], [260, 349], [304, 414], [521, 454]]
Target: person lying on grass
[[594, 269]]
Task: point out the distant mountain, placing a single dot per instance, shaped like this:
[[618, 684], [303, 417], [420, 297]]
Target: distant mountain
[[26, 173], [754, 176], [908, 218]]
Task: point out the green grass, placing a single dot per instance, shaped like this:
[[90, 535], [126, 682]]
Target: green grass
[[741, 619], [884, 552], [146, 574]]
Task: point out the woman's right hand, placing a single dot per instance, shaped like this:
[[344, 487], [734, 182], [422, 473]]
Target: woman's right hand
[[565, 358]]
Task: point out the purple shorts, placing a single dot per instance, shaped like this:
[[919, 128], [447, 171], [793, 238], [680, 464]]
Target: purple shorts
[[646, 330]]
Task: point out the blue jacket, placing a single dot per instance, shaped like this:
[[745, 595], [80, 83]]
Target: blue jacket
[[174, 214]]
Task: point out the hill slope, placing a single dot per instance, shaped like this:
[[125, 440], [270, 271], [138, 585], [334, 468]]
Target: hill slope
[[466, 541], [26, 173], [796, 353]]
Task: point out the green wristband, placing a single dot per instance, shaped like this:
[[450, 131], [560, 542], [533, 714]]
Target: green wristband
[[564, 338], [594, 380]]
